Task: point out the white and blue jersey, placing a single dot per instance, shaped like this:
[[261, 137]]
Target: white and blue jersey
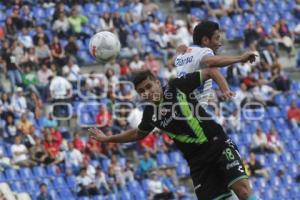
[[190, 62]]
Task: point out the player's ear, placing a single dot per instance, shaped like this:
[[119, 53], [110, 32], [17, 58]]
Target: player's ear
[[204, 41]]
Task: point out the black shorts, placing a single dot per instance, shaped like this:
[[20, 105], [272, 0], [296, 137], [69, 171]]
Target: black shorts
[[216, 170]]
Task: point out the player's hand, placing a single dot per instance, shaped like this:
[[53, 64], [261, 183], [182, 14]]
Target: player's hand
[[248, 56], [181, 49], [98, 135], [227, 95]]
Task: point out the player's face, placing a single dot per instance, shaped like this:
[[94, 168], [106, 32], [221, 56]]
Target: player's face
[[215, 41], [150, 90]]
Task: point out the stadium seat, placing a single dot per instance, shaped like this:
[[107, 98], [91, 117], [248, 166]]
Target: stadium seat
[[139, 195], [133, 186], [163, 160], [59, 182], [98, 197], [71, 182], [182, 170], [53, 170], [125, 195], [17, 186], [26, 173], [102, 7], [11, 174], [112, 197], [90, 9], [39, 172], [32, 186], [53, 194]]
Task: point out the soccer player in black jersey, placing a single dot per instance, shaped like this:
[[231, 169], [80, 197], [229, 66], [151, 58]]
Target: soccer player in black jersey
[[214, 161]]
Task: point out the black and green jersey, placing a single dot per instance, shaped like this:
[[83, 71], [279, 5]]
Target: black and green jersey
[[181, 116]]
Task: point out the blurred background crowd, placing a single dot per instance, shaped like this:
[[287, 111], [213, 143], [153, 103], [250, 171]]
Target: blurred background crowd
[[44, 61]]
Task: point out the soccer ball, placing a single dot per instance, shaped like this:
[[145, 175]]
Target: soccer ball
[[104, 46]]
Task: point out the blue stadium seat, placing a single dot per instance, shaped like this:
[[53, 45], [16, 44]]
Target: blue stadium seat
[[86, 119], [199, 13], [39, 13], [125, 195], [53, 194], [258, 7], [65, 193], [26, 173], [48, 182], [163, 159], [53, 170], [59, 182], [145, 185], [98, 197], [83, 198], [90, 8], [105, 164], [32, 186], [71, 182], [226, 22], [133, 186], [11, 174], [102, 7], [139, 195], [80, 44], [112, 197], [182, 170], [176, 157], [18, 186], [39, 172]]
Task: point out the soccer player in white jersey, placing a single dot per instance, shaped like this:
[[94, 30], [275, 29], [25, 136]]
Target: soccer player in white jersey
[[206, 42]]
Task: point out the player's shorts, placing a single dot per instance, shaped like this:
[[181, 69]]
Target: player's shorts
[[214, 172]]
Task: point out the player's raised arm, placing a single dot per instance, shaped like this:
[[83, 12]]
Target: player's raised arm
[[126, 136], [223, 61]]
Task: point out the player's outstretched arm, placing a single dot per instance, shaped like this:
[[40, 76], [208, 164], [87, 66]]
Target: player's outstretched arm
[[216, 75], [126, 136], [223, 61]]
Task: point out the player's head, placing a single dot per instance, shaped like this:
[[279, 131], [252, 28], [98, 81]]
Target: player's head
[[207, 34], [147, 86]]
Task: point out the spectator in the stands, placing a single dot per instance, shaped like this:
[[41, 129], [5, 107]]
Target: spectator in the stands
[[135, 43], [170, 180], [124, 92], [60, 8], [128, 171], [52, 147], [256, 168], [149, 144], [169, 72], [10, 29], [57, 51], [12, 69], [40, 34], [27, 18], [265, 94], [169, 25], [43, 52], [25, 39], [147, 163], [78, 142], [20, 154], [77, 20], [293, 114], [260, 142], [44, 195], [124, 67], [30, 79], [61, 26], [90, 169], [250, 34], [136, 64], [71, 71], [17, 51], [43, 75], [101, 182], [260, 29], [274, 141], [106, 22], [152, 64], [103, 117], [10, 129], [280, 80], [269, 58], [24, 126], [116, 169], [39, 154], [157, 189], [6, 107], [73, 158], [19, 102], [148, 9], [95, 150], [30, 58], [71, 48], [16, 18], [86, 186]]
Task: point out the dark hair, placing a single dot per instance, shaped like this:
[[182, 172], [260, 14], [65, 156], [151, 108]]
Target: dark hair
[[43, 184], [204, 29], [139, 77]]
